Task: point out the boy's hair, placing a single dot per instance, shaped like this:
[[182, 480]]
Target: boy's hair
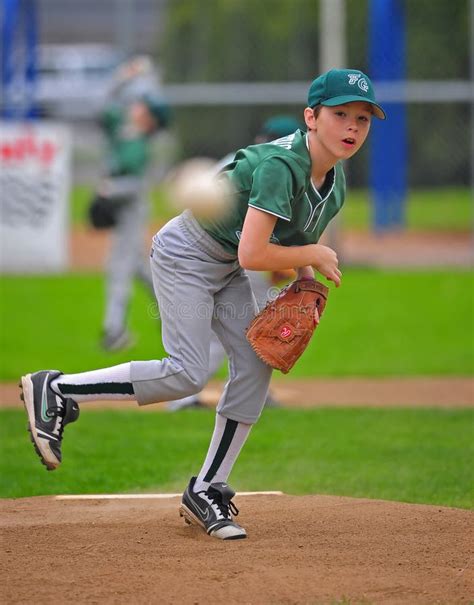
[[316, 110]]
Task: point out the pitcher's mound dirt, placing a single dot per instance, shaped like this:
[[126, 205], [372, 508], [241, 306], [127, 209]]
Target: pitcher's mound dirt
[[311, 549]]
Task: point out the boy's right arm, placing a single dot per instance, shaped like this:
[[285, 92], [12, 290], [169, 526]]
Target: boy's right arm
[[256, 253]]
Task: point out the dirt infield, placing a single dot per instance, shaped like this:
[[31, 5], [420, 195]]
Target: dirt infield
[[88, 248], [311, 549], [301, 550], [449, 392], [308, 549]]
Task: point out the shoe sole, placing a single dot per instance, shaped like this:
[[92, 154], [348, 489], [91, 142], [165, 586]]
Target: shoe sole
[[191, 519], [40, 444]]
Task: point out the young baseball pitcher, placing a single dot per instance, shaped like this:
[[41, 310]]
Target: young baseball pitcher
[[286, 192]]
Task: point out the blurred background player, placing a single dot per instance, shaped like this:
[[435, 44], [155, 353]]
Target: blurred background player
[[262, 283], [133, 114]]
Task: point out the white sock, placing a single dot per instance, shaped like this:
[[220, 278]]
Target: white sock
[[227, 440], [109, 383]]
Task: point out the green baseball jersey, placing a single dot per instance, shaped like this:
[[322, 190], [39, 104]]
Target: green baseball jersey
[[276, 178], [128, 151]]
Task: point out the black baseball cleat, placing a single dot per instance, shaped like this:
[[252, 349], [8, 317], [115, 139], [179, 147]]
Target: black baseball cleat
[[48, 414], [212, 510]]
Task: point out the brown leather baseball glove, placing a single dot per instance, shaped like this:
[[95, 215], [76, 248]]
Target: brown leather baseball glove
[[281, 332]]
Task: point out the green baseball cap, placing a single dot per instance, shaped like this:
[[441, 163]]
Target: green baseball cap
[[339, 86], [280, 126]]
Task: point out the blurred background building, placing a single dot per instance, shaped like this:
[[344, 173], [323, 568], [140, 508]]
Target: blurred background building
[[226, 65]]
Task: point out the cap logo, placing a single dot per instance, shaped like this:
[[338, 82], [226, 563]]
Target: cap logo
[[361, 82]]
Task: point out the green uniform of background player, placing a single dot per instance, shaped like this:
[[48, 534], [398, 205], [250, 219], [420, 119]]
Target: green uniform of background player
[[286, 194], [133, 114]]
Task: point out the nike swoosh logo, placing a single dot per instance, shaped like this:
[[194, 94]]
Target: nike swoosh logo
[[202, 511], [44, 400], [205, 513], [46, 435]]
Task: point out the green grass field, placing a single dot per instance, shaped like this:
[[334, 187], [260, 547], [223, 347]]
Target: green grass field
[[447, 209], [377, 324], [420, 456]]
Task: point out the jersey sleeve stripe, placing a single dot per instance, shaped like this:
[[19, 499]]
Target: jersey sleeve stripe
[[285, 218]]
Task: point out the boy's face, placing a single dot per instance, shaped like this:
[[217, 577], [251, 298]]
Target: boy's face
[[141, 117], [342, 129]]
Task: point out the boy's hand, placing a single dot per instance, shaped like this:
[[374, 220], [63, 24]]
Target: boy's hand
[[307, 273], [327, 264]]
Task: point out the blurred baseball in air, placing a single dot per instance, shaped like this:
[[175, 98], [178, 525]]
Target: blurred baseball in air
[[195, 185]]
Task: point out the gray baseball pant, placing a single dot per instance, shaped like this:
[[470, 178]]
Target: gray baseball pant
[[199, 288], [263, 291]]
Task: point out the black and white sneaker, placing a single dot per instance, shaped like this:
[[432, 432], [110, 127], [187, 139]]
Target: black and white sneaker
[[212, 510], [48, 414]]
